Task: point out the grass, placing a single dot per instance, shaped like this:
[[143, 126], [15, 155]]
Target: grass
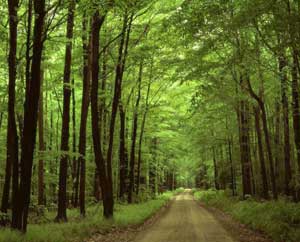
[[78, 229], [280, 219]]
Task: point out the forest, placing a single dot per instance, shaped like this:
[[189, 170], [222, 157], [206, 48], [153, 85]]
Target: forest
[[109, 108]]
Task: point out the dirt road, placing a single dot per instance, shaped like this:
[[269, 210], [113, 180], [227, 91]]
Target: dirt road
[[185, 221]]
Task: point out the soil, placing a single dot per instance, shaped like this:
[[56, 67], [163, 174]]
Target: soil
[[184, 220]]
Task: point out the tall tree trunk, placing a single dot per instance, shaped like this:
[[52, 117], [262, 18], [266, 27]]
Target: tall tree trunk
[[21, 203], [106, 190], [65, 132], [295, 106], [42, 147], [277, 139], [123, 51], [216, 175], [12, 135], [232, 170], [244, 147], [267, 137], [74, 163], [263, 171], [28, 45], [52, 163], [141, 138], [286, 128], [153, 166], [97, 188], [84, 115], [295, 86], [102, 105], [123, 156], [134, 134]]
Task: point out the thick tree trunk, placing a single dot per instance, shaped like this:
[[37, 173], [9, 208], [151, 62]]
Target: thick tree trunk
[[134, 134], [12, 135], [263, 171], [65, 132], [21, 204]]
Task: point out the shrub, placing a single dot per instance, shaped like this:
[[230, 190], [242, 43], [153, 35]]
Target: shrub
[[278, 219], [78, 229], [4, 219]]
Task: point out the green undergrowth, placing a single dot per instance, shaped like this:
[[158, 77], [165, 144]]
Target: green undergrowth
[[78, 229], [278, 219]]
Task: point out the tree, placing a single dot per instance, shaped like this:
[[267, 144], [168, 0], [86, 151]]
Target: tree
[[42, 147], [12, 136], [22, 192], [134, 134], [65, 132]]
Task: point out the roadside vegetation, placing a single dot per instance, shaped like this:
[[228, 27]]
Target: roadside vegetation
[[280, 219], [81, 228]]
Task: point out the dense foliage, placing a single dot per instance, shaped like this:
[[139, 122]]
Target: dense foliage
[[117, 101], [278, 219]]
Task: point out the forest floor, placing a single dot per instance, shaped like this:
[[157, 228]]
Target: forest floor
[[185, 220]]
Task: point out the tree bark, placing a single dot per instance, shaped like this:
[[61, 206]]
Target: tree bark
[[120, 68], [244, 148], [267, 137], [295, 87], [84, 115], [153, 166], [42, 148], [134, 134], [74, 163], [65, 132], [21, 204], [28, 45], [12, 135], [286, 128], [277, 139], [295, 106], [106, 188], [232, 170], [263, 171], [216, 174], [141, 139], [123, 156]]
